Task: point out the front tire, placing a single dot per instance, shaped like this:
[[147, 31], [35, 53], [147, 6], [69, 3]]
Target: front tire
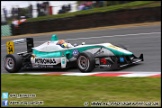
[[13, 63], [86, 62]]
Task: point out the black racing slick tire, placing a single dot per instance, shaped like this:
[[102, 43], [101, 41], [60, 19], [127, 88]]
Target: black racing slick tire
[[13, 63], [86, 62]]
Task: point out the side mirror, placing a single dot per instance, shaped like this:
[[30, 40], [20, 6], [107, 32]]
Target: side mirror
[[75, 44], [83, 43]]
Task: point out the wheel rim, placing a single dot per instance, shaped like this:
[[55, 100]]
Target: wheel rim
[[9, 63], [83, 62]]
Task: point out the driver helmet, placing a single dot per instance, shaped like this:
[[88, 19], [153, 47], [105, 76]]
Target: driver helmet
[[62, 43]]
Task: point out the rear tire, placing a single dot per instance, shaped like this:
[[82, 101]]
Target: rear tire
[[13, 63], [86, 62]]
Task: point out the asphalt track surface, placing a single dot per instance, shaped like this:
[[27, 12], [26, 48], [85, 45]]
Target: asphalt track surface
[[141, 39]]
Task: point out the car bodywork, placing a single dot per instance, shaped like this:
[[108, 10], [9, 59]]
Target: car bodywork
[[86, 56]]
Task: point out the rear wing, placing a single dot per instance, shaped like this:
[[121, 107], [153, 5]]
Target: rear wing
[[29, 44], [10, 45]]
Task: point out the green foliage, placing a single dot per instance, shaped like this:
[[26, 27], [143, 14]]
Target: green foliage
[[75, 90], [94, 10], [127, 5]]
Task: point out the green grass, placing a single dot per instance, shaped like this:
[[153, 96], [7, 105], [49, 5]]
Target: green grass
[[130, 5], [74, 91]]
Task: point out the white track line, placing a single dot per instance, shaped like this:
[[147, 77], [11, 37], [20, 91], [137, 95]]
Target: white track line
[[117, 35], [31, 73], [128, 74], [104, 36], [81, 74], [138, 75]]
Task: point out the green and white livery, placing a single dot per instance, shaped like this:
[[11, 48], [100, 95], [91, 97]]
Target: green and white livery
[[85, 56]]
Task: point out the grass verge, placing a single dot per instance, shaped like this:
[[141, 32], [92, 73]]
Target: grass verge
[[130, 5], [75, 91]]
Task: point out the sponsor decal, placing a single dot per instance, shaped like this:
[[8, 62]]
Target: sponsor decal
[[63, 61], [10, 47], [45, 66], [75, 52], [114, 47], [121, 59], [103, 61], [45, 60], [119, 49]]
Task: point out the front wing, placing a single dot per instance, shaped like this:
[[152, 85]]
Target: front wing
[[117, 62], [135, 60]]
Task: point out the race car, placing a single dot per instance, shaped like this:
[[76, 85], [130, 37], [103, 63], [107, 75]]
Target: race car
[[57, 53]]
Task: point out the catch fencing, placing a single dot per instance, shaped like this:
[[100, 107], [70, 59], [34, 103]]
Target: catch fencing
[[6, 30]]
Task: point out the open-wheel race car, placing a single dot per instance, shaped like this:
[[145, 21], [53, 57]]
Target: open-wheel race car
[[59, 53]]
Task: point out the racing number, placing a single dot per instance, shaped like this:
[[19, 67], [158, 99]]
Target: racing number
[[10, 47]]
